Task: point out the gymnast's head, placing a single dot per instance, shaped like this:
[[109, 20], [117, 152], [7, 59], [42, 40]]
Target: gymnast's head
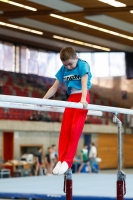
[[69, 57]]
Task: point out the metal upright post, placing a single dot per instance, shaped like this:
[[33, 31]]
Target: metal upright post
[[121, 176], [68, 184]]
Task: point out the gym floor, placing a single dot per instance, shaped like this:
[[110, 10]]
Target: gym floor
[[85, 185]]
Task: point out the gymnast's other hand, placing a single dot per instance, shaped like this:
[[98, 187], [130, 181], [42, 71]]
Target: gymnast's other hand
[[85, 104]]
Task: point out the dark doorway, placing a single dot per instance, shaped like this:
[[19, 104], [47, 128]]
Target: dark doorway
[[8, 143]]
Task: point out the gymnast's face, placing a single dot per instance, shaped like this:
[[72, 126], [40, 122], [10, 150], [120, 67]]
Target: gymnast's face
[[70, 64]]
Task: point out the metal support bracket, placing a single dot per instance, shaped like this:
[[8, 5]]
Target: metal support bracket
[[67, 176], [121, 176], [68, 184]]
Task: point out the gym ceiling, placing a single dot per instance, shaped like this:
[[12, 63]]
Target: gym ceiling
[[87, 25]]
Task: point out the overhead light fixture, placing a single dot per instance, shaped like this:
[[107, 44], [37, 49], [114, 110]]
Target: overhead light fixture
[[81, 43], [21, 28], [111, 22], [19, 5], [60, 5], [5, 1], [91, 26], [114, 3], [131, 11]]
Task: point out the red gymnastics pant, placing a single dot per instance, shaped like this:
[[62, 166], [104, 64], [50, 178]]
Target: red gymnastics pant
[[71, 129]]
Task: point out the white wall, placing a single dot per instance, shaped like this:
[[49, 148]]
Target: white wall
[[45, 139], [46, 134]]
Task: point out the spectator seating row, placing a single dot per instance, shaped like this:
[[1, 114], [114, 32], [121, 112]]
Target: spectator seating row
[[15, 114], [17, 91]]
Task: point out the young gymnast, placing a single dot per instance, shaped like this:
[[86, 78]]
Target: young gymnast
[[75, 73]]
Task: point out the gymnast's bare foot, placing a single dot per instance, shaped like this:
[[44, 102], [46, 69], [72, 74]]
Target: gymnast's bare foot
[[63, 168]]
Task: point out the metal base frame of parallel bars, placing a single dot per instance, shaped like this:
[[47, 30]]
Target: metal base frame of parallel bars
[[68, 184], [121, 176]]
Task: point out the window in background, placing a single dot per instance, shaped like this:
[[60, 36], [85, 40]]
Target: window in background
[[42, 62], [88, 58], [100, 64], [47, 64], [58, 61], [23, 59], [9, 57], [17, 59], [117, 64], [1, 56], [51, 65], [32, 61]]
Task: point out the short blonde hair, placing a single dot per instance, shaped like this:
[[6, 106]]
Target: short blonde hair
[[67, 53]]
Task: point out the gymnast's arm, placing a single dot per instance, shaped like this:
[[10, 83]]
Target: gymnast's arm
[[84, 80], [52, 90]]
